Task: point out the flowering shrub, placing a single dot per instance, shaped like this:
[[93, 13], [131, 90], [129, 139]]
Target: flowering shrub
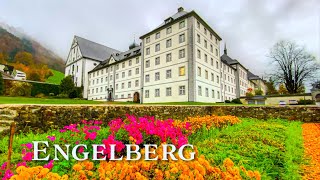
[[192, 124]]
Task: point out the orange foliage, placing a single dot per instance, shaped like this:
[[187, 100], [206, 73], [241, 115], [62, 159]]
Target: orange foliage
[[311, 136]]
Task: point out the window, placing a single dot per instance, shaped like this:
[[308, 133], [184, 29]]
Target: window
[[168, 91], [147, 40], [101, 89], [212, 77], [136, 83], [198, 24], [198, 38], [158, 35], [206, 58], [137, 60], [106, 78], [129, 84], [146, 94], [147, 51], [123, 65], [199, 90], [206, 74], [182, 90], [157, 61], [207, 92], [218, 93], [211, 62], [157, 76], [169, 43], [97, 73], [117, 66], [92, 91], [129, 73], [181, 38], [129, 95], [122, 95], [182, 71], [199, 71], [97, 81], [205, 44], [216, 40], [157, 47], [199, 54], [212, 93], [168, 74], [147, 63], [122, 85], [117, 86], [217, 79], [123, 74], [110, 77], [137, 70], [96, 90], [181, 53], [216, 52], [147, 78], [117, 76], [168, 57], [169, 30], [101, 80], [130, 62], [217, 65], [181, 24], [211, 48], [157, 93], [106, 70], [205, 31], [211, 36]]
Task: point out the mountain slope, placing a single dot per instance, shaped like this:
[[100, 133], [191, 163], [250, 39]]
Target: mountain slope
[[10, 45]]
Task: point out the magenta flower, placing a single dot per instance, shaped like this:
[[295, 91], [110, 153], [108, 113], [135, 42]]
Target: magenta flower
[[23, 163], [51, 138], [28, 145], [4, 166], [7, 175], [49, 165], [28, 156]]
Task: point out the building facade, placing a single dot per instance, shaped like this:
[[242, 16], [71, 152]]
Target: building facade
[[179, 61]]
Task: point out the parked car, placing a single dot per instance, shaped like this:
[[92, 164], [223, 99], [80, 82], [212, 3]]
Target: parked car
[[282, 103], [293, 102]]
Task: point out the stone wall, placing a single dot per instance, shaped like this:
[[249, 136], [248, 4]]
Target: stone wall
[[42, 118]]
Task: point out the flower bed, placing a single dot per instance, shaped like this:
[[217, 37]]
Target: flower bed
[[131, 130]]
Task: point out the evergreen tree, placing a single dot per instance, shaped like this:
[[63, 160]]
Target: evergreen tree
[[67, 85], [271, 89]]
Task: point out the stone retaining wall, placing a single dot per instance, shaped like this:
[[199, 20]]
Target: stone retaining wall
[[42, 118]]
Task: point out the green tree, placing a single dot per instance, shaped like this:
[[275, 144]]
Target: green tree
[[1, 84], [271, 89], [67, 85], [282, 89]]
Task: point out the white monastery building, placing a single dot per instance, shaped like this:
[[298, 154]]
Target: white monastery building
[[179, 61]]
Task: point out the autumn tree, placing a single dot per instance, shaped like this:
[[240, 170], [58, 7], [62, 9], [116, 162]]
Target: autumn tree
[[271, 89], [293, 65], [1, 84], [282, 89], [24, 58]]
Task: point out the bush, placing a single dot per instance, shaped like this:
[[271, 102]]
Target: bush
[[67, 85], [62, 96], [306, 102], [41, 95], [227, 101], [249, 94], [42, 88], [20, 89], [258, 92], [51, 94], [236, 101], [1, 84]]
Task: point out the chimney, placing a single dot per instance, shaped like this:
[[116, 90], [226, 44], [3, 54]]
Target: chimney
[[225, 49], [180, 9]]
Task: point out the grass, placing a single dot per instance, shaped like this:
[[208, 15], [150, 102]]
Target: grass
[[26, 100], [56, 78], [273, 147]]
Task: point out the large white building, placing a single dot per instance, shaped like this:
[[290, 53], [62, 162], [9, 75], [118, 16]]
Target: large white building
[[179, 61]]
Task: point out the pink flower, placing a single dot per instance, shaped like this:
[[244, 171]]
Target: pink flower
[[4, 166], [49, 165], [28, 156], [51, 138], [7, 175], [62, 130], [77, 142], [28, 145], [23, 163], [81, 149]]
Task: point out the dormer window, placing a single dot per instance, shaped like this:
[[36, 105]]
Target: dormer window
[[168, 20], [158, 35]]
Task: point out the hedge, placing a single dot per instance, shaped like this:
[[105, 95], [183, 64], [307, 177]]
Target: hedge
[[45, 89]]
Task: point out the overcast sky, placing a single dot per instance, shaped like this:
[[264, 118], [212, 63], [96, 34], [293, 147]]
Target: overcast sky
[[250, 27]]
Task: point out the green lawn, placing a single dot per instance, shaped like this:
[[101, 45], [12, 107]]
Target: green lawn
[[196, 103], [26, 100], [56, 78], [273, 147]]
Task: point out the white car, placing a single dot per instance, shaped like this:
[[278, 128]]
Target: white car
[[282, 103], [293, 102]]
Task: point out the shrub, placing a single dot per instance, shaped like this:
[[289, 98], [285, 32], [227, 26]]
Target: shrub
[[41, 95], [67, 85], [62, 96], [51, 94], [306, 102], [1, 84], [20, 89], [227, 101], [258, 92], [236, 101], [44, 88], [249, 94]]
